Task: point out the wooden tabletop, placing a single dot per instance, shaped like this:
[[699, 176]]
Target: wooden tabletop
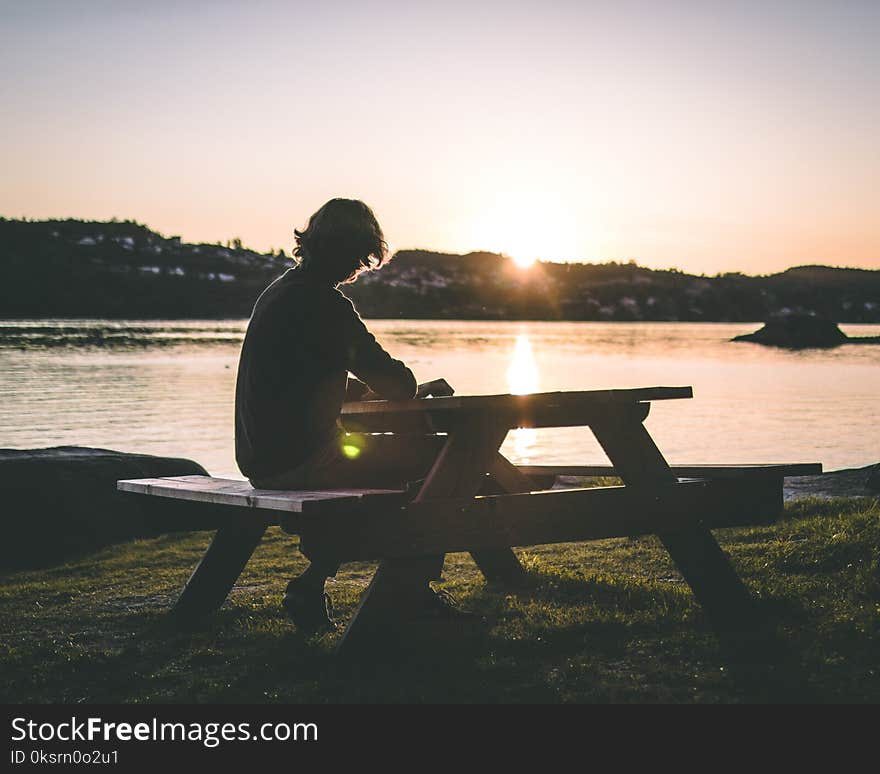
[[548, 400]]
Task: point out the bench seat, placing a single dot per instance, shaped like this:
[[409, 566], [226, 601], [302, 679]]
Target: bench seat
[[359, 524], [230, 491]]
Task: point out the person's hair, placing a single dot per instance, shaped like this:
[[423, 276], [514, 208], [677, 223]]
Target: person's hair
[[341, 240]]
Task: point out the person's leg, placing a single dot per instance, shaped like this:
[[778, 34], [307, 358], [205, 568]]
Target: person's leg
[[317, 573], [304, 600], [377, 461], [362, 461]]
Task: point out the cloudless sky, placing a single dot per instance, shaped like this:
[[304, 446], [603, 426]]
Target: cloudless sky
[[711, 136]]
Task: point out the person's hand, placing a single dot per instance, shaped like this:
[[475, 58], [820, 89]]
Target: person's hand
[[438, 388], [356, 390]]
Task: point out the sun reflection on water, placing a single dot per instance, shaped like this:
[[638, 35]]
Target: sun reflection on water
[[522, 379]]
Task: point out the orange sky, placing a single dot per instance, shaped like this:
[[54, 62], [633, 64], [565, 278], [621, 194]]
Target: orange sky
[[711, 137]]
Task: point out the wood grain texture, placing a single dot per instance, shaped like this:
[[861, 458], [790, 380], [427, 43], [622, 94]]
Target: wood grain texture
[[224, 491]]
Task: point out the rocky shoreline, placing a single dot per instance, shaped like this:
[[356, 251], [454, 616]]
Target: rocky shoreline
[[851, 482]]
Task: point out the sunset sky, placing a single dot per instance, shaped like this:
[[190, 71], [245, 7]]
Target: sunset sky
[[711, 136]]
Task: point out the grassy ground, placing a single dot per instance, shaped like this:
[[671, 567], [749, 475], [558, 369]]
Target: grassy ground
[[598, 622]]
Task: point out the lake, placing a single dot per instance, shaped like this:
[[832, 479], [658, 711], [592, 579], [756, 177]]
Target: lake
[[167, 387]]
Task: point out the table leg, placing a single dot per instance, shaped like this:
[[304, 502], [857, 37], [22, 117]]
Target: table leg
[[398, 587], [502, 566], [218, 569], [696, 553]]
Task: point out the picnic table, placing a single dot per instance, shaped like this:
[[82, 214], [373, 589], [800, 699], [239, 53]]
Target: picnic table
[[475, 500]]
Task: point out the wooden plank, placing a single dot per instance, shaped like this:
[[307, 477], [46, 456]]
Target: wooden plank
[[461, 471], [755, 470], [222, 491], [706, 568], [492, 522], [500, 564], [509, 477], [492, 403], [513, 415]]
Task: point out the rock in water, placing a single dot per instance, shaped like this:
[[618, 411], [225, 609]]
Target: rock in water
[[797, 331], [63, 501]]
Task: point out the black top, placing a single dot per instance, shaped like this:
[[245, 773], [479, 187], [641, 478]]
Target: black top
[[303, 338]]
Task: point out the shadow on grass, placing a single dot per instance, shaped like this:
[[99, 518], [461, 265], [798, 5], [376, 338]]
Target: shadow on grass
[[593, 623], [762, 663], [534, 648]]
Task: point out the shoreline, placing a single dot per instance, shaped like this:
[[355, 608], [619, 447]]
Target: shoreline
[[863, 482]]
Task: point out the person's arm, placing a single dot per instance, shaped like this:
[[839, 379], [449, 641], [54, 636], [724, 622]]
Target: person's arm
[[367, 360], [355, 389], [436, 388]]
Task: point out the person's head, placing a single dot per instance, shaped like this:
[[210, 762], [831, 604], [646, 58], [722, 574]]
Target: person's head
[[341, 240]]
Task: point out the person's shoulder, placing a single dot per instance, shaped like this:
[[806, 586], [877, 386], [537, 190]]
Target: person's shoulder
[[293, 283], [298, 294], [343, 300], [268, 295], [281, 296]]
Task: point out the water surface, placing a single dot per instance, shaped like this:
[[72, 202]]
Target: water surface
[[167, 387]]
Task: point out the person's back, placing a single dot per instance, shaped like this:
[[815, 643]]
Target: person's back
[[302, 340]]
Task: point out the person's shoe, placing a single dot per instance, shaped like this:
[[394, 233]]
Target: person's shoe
[[310, 610], [441, 605]]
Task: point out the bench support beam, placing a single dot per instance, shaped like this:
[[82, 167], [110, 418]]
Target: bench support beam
[[219, 568], [488, 523]]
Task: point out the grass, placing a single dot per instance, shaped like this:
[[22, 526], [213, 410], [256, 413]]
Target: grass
[[606, 621]]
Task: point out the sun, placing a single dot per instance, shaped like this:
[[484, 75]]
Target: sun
[[528, 225], [524, 261]]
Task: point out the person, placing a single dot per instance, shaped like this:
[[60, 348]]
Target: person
[[303, 339]]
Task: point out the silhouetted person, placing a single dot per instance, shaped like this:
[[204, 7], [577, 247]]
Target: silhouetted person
[[303, 339]]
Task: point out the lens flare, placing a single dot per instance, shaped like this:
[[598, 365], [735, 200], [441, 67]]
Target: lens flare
[[351, 451]]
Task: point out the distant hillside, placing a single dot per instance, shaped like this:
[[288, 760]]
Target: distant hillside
[[72, 268], [424, 284]]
